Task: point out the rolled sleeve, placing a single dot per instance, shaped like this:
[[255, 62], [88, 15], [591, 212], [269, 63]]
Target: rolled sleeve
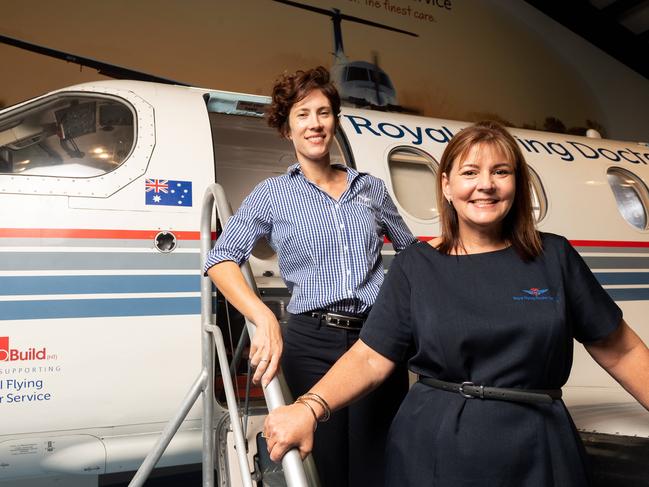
[[251, 222], [393, 225]]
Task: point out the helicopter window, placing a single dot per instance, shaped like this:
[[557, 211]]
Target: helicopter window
[[355, 73], [539, 199], [67, 136], [631, 196], [413, 172]]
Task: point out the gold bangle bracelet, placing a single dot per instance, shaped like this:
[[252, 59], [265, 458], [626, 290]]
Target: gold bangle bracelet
[[311, 396], [315, 416]]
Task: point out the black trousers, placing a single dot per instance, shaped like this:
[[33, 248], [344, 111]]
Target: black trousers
[[349, 449]]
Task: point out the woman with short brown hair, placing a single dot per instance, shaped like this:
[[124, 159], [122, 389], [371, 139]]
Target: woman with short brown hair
[[327, 224]]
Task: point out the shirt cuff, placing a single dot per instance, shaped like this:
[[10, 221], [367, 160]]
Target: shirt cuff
[[217, 256]]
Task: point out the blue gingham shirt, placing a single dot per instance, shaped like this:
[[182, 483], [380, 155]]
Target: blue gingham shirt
[[329, 251]]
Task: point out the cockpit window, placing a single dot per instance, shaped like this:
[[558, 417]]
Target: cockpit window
[[631, 196], [355, 73], [67, 136]]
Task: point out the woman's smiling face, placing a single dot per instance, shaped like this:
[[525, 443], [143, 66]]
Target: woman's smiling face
[[312, 125], [481, 187]]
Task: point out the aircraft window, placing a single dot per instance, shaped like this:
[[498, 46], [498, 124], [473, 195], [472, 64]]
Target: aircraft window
[[355, 73], [67, 136], [539, 198], [631, 196], [413, 174]]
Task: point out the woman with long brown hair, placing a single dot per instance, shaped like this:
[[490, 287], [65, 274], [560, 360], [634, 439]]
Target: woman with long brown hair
[[485, 315]]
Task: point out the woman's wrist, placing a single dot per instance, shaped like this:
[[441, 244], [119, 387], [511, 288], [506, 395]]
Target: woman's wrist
[[311, 410], [316, 402], [264, 317]]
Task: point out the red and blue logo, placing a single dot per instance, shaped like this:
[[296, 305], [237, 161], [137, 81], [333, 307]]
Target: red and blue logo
[[535, 294], [8, 354], [535, 291]]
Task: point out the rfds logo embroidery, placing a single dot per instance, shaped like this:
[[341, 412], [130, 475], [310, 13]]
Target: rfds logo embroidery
[[364, 200], [535, 294]]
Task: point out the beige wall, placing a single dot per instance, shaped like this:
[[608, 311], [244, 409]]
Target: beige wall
[[477, 58]]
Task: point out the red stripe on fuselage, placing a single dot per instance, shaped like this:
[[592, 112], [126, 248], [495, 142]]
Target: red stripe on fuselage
[[150, 234], [608, 243], [82, 233]]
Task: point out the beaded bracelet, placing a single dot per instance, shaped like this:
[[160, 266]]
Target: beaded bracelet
[[312, 396], [315, 416]]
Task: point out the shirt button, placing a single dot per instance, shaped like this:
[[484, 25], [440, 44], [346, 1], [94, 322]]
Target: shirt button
[[337, 207], [342, 225], [346, 248], [349, 272]]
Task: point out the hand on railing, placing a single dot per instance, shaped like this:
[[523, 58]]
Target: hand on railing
[[290, 427], [266, 348]]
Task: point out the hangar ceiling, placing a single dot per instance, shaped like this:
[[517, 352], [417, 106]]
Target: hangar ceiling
[[618, 27]]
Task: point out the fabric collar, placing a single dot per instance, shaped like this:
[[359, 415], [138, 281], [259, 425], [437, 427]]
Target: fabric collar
[[351, 172]]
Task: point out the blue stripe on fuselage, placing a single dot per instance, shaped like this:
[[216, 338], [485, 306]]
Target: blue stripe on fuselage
[[93, 308], [35, 285]]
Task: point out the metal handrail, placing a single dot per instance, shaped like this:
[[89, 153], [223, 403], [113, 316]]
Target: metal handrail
[[291, 463], [212, 339]]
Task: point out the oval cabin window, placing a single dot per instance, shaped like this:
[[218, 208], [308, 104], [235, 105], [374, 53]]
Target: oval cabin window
[[413, 174], [539, 198], [631, 196]]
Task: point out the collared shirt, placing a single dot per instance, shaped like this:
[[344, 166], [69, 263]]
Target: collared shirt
[[329, 251]]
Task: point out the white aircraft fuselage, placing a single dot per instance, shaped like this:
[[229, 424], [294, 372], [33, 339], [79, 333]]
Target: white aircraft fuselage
[[101, 186]]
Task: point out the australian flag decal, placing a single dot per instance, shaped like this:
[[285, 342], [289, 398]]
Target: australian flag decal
[[168, 192]]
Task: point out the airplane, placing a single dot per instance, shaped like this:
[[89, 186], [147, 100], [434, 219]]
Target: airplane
[[100, 267], [361, 84]]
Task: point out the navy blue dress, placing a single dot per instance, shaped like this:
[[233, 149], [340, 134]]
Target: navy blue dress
[[495, 320]]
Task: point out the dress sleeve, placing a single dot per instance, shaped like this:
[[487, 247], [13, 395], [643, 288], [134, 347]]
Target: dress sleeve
[[592, 312], [251, 222], [387, 329], [393, 225]]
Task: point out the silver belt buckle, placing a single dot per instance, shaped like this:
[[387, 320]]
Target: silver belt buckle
[[469, 396], [340, 321]]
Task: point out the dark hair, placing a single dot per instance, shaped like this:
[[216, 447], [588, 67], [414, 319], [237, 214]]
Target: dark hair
[[518, 225], [291, 88]]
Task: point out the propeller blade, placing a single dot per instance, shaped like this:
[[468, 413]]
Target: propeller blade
[[310, 8], [350, 18], [107, 69], [376, 24]]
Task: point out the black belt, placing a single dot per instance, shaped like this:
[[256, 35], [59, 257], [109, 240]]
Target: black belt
[[470, 391], [337, 320]]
